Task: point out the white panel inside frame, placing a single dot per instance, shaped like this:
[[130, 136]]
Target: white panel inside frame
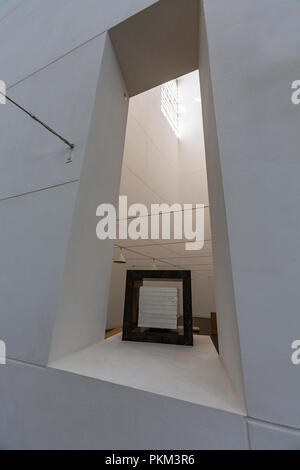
[[158, 307]]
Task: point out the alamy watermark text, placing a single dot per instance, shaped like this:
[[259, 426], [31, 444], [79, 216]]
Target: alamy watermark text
[[164, 221]]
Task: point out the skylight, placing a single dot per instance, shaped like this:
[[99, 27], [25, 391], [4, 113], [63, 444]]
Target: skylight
[[170, 104]]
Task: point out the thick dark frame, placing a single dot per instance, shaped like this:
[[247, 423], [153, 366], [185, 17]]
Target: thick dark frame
[[159, 337]]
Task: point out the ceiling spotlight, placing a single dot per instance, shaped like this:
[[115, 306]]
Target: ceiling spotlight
[[154, 265], [121, 259]]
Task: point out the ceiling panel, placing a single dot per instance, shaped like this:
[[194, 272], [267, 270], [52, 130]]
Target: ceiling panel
[[158, 44]]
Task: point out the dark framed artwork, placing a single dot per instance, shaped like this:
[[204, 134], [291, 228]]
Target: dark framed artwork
[[143, 321]]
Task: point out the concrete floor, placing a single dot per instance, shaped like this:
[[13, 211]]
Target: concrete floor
[[194, 374]]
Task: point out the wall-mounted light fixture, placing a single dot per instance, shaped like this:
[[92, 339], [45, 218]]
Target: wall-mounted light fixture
[[154, 265], [121, 259]]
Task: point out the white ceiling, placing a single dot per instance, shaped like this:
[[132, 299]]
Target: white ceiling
[[158, 44]]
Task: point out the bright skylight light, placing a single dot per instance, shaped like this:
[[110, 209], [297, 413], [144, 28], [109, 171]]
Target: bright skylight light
[[170, 104]]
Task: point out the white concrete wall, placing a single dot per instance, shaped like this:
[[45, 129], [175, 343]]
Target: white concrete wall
[[265, 436], [203, 295], [229, 341], [254, 58], [81, 313], [150, 166], [68, 411], [38, 192], [49, 29]]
